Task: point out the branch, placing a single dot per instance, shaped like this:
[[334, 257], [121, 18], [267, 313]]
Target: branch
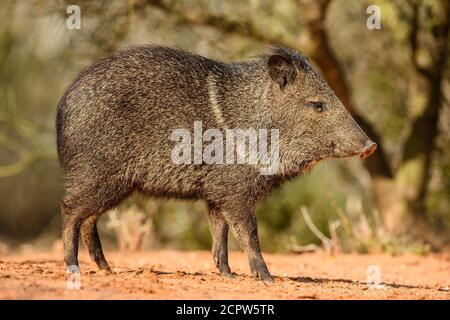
[[24, 156], [326, 242], [414, 39], [18, 166], [203, 18], [425, 127]]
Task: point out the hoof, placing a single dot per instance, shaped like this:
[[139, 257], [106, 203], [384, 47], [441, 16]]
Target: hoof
[[267, 278], [106, 270], [228, 274], [260, 271]]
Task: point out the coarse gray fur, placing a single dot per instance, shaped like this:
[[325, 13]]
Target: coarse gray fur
[[115, 120]]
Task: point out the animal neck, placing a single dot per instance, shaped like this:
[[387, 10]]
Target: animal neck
[[238, 95]]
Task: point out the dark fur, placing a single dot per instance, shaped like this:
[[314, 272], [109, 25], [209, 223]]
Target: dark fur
[[114, 123]]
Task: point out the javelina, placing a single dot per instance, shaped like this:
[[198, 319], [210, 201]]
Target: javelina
[[115, 120]]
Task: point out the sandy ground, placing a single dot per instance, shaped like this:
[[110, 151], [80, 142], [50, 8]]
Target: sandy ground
[[192, 275]]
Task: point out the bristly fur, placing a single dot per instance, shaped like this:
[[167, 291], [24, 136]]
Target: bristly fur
[[113, 129], [300, 60]]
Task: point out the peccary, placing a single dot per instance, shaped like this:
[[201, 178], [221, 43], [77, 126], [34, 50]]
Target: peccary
[[115, 120]]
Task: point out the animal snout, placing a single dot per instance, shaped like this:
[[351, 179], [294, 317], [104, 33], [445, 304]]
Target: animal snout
[[368, 149]]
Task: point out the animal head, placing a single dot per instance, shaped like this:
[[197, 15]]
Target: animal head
[[313, 123]]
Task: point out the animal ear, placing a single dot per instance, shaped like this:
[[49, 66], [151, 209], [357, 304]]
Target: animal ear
[[281, 70]]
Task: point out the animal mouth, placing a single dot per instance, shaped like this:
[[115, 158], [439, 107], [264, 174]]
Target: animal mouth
[[369, 148], [299, 167], [306, 165], [309, 164]]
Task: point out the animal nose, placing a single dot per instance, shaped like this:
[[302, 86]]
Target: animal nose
[[368, 149]]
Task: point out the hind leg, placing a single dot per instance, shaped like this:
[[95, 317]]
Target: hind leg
[[219, 233], [91, 240], [85, 200], [71, 224]]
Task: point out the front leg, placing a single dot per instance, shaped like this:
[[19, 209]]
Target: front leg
[[242, 221], [219, 232]]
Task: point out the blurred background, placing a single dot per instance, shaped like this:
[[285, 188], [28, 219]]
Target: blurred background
[[394, 80]]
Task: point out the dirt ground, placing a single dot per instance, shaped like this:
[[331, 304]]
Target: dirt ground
[[192, 275]]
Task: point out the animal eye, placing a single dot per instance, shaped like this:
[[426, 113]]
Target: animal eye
[[318, 106]]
